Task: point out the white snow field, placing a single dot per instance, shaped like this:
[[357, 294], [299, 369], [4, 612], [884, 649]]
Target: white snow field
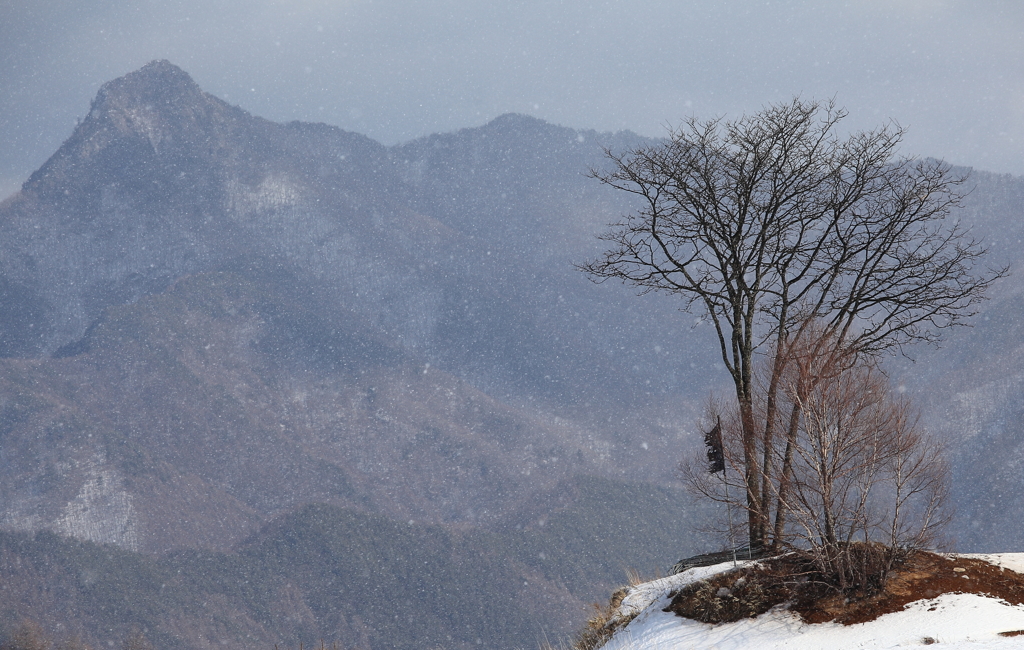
[[948, 621]]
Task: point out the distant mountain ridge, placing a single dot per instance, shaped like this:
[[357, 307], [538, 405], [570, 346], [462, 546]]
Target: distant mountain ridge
[[308, 253], [210, 321]]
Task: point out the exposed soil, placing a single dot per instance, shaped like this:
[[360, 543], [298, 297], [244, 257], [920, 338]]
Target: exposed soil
[[748, 592]]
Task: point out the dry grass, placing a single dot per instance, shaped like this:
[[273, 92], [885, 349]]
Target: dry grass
[[728, 597], [602, 623], [634, 578], [790, 579]]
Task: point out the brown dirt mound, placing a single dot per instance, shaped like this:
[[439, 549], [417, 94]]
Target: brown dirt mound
[[748, 592]]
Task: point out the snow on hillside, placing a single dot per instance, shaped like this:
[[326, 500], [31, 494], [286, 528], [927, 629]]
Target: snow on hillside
[[954, 620]]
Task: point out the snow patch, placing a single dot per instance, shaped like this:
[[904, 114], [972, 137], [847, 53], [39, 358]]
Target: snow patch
[[102, 511], [1011, 561]]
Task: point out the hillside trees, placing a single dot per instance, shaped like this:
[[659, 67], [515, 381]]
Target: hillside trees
[[773, 223]]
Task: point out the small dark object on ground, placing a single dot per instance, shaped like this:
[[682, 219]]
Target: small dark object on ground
[[1012, 633]]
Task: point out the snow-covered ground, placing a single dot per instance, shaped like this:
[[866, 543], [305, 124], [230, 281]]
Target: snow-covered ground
[[951, 620]]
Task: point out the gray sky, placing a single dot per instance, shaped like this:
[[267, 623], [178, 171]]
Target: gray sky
[[951, 71]]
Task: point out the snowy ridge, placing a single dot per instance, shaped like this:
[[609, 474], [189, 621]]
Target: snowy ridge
[[954, 620], [1011, 561]]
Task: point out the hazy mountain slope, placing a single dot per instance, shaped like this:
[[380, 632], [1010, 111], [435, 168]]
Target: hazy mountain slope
[[971, 392], [519, 187], [971, 389], [220, 403], [323, 572]]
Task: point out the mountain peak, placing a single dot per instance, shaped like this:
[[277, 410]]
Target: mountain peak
[[159, 101], [157, 111], [519, 124], [158, 83]]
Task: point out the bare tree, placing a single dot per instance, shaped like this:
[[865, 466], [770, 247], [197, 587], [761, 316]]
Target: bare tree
[[862, 471], [774, 221], [858, 484]]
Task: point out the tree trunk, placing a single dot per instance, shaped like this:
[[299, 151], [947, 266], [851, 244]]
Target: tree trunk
[[787, 475], [751, 475]]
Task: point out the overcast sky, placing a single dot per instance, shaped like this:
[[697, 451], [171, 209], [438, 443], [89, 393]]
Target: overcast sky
[[950, 71]]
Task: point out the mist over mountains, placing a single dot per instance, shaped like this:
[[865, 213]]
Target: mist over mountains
[[234, 348]]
